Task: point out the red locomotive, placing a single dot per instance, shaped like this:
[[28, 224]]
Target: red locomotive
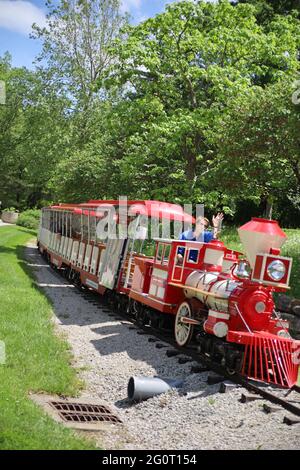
[[202, 290]]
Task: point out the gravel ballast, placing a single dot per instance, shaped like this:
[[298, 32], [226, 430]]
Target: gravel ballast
[[194, 417]]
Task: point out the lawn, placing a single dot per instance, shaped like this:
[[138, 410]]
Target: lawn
[[291, 248], [36, 359]]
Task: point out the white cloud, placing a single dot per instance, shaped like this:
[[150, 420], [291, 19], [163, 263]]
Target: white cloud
[[19, 15], [127, 5]]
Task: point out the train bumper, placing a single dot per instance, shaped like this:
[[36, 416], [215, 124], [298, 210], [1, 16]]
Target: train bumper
[[268, 358]]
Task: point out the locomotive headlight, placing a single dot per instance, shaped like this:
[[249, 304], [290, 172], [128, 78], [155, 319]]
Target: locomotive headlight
[[276, 270]]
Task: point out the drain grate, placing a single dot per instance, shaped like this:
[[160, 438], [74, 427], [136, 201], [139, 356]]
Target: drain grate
[[84, 413]]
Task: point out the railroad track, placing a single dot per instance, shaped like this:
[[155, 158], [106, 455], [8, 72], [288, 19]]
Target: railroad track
[[280, 397]]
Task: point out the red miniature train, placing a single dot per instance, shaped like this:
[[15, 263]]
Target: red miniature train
[[207, 292]]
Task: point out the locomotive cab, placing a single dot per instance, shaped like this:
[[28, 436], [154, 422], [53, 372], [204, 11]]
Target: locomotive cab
[[160, 281]]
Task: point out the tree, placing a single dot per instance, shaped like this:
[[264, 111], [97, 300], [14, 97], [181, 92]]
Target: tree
[[259, 149], [190, 106], [178, 73], [266, 9], [33, 131], [76, 52]]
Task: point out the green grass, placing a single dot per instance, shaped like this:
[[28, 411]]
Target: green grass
[[36, 359], [291, 248]]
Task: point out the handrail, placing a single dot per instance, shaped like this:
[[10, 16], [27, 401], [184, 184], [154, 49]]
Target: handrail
[[243, 320]]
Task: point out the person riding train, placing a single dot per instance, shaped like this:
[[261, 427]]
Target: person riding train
[[201, 234]]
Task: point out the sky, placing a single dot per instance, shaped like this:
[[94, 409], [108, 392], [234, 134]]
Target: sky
[[17, 16]]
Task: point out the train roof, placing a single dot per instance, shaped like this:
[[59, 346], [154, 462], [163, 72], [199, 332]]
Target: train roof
[[156, 209]]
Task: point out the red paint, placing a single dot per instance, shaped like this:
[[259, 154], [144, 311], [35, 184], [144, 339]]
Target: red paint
[[269, 227]]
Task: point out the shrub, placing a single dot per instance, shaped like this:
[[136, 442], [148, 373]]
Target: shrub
[[30, 219], [10, 209]]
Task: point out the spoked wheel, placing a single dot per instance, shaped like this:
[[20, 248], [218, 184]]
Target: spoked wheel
[[183, 331], [230, 371], [233, 362]]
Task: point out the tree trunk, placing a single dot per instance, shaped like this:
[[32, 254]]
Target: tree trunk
[[268, 202], [190, 164]]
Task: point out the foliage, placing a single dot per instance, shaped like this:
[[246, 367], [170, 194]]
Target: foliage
[[9, 209], [292, 249], [266, 9], [33, 133], [76, 51], [264, 163], [193, 105], [29, 219], [179, 73]]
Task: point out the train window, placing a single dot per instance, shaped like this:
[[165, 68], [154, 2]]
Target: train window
[[93, 224], [76, 226], [84, 227], [149, 247], [52, 221], [70, 222], [58, 222], [63, 223], [167, 254], [57, 218], [180, 255], [159, 253], [193, 255]]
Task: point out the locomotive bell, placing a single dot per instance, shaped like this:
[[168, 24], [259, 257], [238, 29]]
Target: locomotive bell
[[259, 236]]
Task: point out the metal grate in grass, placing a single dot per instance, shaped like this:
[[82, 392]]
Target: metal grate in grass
[[84, 413]]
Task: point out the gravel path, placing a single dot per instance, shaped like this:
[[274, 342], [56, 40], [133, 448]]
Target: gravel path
[[108, 353]]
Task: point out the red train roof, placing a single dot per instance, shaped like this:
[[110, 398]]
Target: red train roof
[[157, 209]]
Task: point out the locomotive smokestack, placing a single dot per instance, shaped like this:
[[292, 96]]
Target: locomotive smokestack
[[259, 236]]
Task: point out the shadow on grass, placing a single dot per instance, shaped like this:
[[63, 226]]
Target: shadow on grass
[[7, 250], [27, 230]]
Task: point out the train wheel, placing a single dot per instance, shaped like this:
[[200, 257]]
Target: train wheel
[[138, 313], [230, 371], [135, 308], [183, 331]]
